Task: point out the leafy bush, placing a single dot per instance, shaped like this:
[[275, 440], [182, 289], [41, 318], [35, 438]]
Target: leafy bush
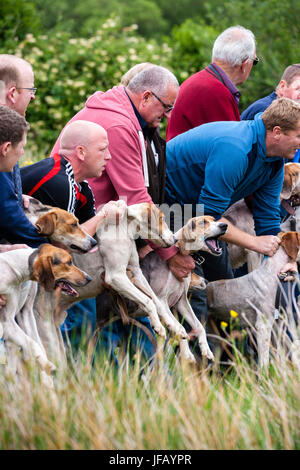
[[68, 70]]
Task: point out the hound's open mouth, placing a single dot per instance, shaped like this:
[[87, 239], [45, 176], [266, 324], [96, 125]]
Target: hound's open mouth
[[77, 248], [66, 288], [214, 246]]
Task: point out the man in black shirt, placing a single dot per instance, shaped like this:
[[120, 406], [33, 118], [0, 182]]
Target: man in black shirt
[[60, 181]]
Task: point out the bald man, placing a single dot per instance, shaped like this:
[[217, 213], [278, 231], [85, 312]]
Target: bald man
[[60, 181]]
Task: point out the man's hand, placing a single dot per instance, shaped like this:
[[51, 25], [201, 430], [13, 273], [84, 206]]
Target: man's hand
[[16, 246], [290, 269], [267, 244], [144, 250], [181, 265], [113, 211], [26, 200]]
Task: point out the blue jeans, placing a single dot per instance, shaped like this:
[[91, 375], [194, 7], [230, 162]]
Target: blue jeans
[[129, 337], [80, 322]]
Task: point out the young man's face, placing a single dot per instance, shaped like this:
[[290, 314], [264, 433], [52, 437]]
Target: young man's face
[[10, 154], [291, 91], [97, 154], [290, 143]]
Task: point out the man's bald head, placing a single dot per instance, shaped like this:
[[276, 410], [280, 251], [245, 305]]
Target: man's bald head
[[79, 133], [84, 144]]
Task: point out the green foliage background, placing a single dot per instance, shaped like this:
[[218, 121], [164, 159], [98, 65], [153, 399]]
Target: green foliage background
[[79, 47]]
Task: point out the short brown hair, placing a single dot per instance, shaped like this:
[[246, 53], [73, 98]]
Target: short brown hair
[[282, 112], [12, 126], [290, 73]]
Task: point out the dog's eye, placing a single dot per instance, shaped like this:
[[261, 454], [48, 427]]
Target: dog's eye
[[56, 261], [69, 263], [74, 224]]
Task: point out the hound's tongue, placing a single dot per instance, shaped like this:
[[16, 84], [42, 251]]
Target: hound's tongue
[[213, 245], [67, 289]]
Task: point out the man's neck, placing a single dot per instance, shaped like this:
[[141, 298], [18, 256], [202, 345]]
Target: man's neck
[[231, 72]]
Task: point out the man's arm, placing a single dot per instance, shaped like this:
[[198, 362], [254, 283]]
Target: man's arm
[[265, 244], [15, 227]]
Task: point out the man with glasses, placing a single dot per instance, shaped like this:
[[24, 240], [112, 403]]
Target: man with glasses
[[16, 92], [211, 94]]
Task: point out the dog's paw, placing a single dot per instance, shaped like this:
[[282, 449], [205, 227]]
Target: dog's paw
[[160, 330], [205, 350]]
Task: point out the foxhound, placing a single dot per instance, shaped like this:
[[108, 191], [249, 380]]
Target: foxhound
[[253, 295], [240, 216], [50, 266], [116, 254], [200, 233], [59, 226]]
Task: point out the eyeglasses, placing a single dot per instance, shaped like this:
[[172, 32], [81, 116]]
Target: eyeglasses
[[168, 107], [255, 61], [33, 90]]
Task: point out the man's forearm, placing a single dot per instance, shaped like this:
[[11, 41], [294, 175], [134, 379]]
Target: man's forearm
[[265, 244]]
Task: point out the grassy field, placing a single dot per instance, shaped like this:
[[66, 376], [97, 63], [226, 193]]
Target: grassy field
[[168, 406]]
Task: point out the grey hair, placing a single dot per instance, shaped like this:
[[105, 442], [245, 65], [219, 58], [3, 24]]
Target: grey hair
[[234, 45], [155, 78]]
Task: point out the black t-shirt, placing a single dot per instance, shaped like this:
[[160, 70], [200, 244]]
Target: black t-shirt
[[51, 181]]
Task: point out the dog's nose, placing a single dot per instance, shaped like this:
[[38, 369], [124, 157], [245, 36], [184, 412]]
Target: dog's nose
[[93, 242], [223, 226], [88, 278]]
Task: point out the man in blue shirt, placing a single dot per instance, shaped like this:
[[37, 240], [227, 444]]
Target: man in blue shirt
[[219, 163]]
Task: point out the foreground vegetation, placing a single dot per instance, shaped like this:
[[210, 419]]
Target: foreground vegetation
[[166, 407]]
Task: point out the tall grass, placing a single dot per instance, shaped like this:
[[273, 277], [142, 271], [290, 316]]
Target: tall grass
[[168, 406]]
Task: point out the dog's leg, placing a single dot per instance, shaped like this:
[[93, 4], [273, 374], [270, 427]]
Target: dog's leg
[[162, 306], [48, 325], [120, 282], [185, 309], [26, 319], [13, 333], [263, 327]]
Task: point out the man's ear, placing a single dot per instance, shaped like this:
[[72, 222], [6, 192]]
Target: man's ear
[[276, 132], [11, 94], [146, 95], [80, 152], [4, 148]]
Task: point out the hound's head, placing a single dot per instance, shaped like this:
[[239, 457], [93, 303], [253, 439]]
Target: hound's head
[[61, 226], [290, 241], [201, 233], [291, 181], [53, 268], [149, 223]]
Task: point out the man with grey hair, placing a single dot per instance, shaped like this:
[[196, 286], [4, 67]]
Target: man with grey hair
[[211, 94]]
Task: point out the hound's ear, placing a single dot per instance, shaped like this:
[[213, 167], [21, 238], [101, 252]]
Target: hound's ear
[[288, 185], [46, 224], [290, 242], [42, 272], [192, 230]]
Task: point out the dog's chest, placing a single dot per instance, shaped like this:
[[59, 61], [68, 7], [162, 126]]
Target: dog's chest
[[174, 297]]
